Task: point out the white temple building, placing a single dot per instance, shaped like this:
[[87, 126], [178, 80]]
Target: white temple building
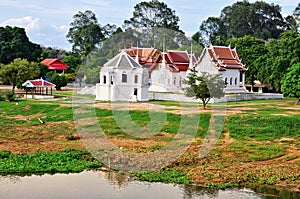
[[169, 70], [123, 79], [225, 61]]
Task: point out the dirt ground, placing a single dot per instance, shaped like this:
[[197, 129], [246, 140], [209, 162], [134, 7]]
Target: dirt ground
[[24, 142]]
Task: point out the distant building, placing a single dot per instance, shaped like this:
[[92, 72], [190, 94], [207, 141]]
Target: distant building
[[225, 61], [55, 65], [169, 70], [123, 79]]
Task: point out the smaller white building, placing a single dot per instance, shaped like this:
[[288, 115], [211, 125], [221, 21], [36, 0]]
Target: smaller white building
[[123, 79], [224, 61], [169, 70]]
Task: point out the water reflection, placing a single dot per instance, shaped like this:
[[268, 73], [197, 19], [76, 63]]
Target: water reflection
[[108, 185]]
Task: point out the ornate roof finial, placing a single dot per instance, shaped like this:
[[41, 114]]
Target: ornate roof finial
[[137, 53]]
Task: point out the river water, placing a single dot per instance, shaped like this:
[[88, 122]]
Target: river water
[[108, 185]]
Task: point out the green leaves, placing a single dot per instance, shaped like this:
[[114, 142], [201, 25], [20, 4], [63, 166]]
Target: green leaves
[[19, 71], [15, 44], [153, 14], [259, 19], [204, 86], [85, 33], [291, 82]]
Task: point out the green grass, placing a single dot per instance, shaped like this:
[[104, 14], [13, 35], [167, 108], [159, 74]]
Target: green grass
[[248, 151], [47, 162], [262, 127], [167, 176]]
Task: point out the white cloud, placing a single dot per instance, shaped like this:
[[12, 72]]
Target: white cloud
[[27, 22], [62, 28], [99, 3]]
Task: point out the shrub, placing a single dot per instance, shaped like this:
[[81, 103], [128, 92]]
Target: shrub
[[4, 154], [9, 96]]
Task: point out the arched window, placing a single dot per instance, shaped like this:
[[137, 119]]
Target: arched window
[[136, 79], [124, 77], [235, 81], [104, 79], [174, 81], [226, 82], [231, 81]]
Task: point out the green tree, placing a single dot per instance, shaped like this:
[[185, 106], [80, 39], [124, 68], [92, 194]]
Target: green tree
[[154, 19], [154, 13], [73, 61], [259, 19], [282, 53], [291, 82], [59, 81], [14, 43], [92, 76], [203, 87], [19, 71], [85, 33], [249, 49], [212, 31], [296, 15]]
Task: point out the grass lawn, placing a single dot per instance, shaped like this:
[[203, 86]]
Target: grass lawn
[[259, 144]]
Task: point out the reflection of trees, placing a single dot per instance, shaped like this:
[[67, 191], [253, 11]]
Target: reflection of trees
[[117, 179], [190, 191]]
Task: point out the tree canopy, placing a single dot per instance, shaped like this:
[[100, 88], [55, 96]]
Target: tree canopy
[[259, 19], [14, 43], [291, 82], [19, 71], [203, 87], [249, 49], [281, 54], [85, 33], [154, 13]]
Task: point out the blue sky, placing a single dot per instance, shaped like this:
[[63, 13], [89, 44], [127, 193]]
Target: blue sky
[[47, 22]]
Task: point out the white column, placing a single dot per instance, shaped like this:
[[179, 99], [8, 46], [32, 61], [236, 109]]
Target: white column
[[243, 80]]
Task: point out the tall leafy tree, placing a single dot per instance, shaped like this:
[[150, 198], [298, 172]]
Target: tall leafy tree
[[259, 19], [85, 33], [296, 15], [19, 71], [203, 87], [153, 14], [291, 82], [250, 49], [212, 31], [14, 43], [282, 54], [155, 18], [59, 81]]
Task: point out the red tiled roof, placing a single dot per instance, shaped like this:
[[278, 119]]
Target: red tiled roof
[[38, 83], [178, 56], [223, 52], [176, 61], [225, 58], [55, 64], [146, 56]]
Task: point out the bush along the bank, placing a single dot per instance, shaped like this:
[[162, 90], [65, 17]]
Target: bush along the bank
[[47, 162], [167, 176]]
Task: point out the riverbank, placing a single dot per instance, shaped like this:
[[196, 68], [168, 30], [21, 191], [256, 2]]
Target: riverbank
[[259, 145]]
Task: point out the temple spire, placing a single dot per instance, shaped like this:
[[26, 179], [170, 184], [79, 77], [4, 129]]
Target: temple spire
[[191, 65], [137, 53]]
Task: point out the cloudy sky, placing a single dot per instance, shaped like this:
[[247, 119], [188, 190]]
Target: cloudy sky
[[47, 22]]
